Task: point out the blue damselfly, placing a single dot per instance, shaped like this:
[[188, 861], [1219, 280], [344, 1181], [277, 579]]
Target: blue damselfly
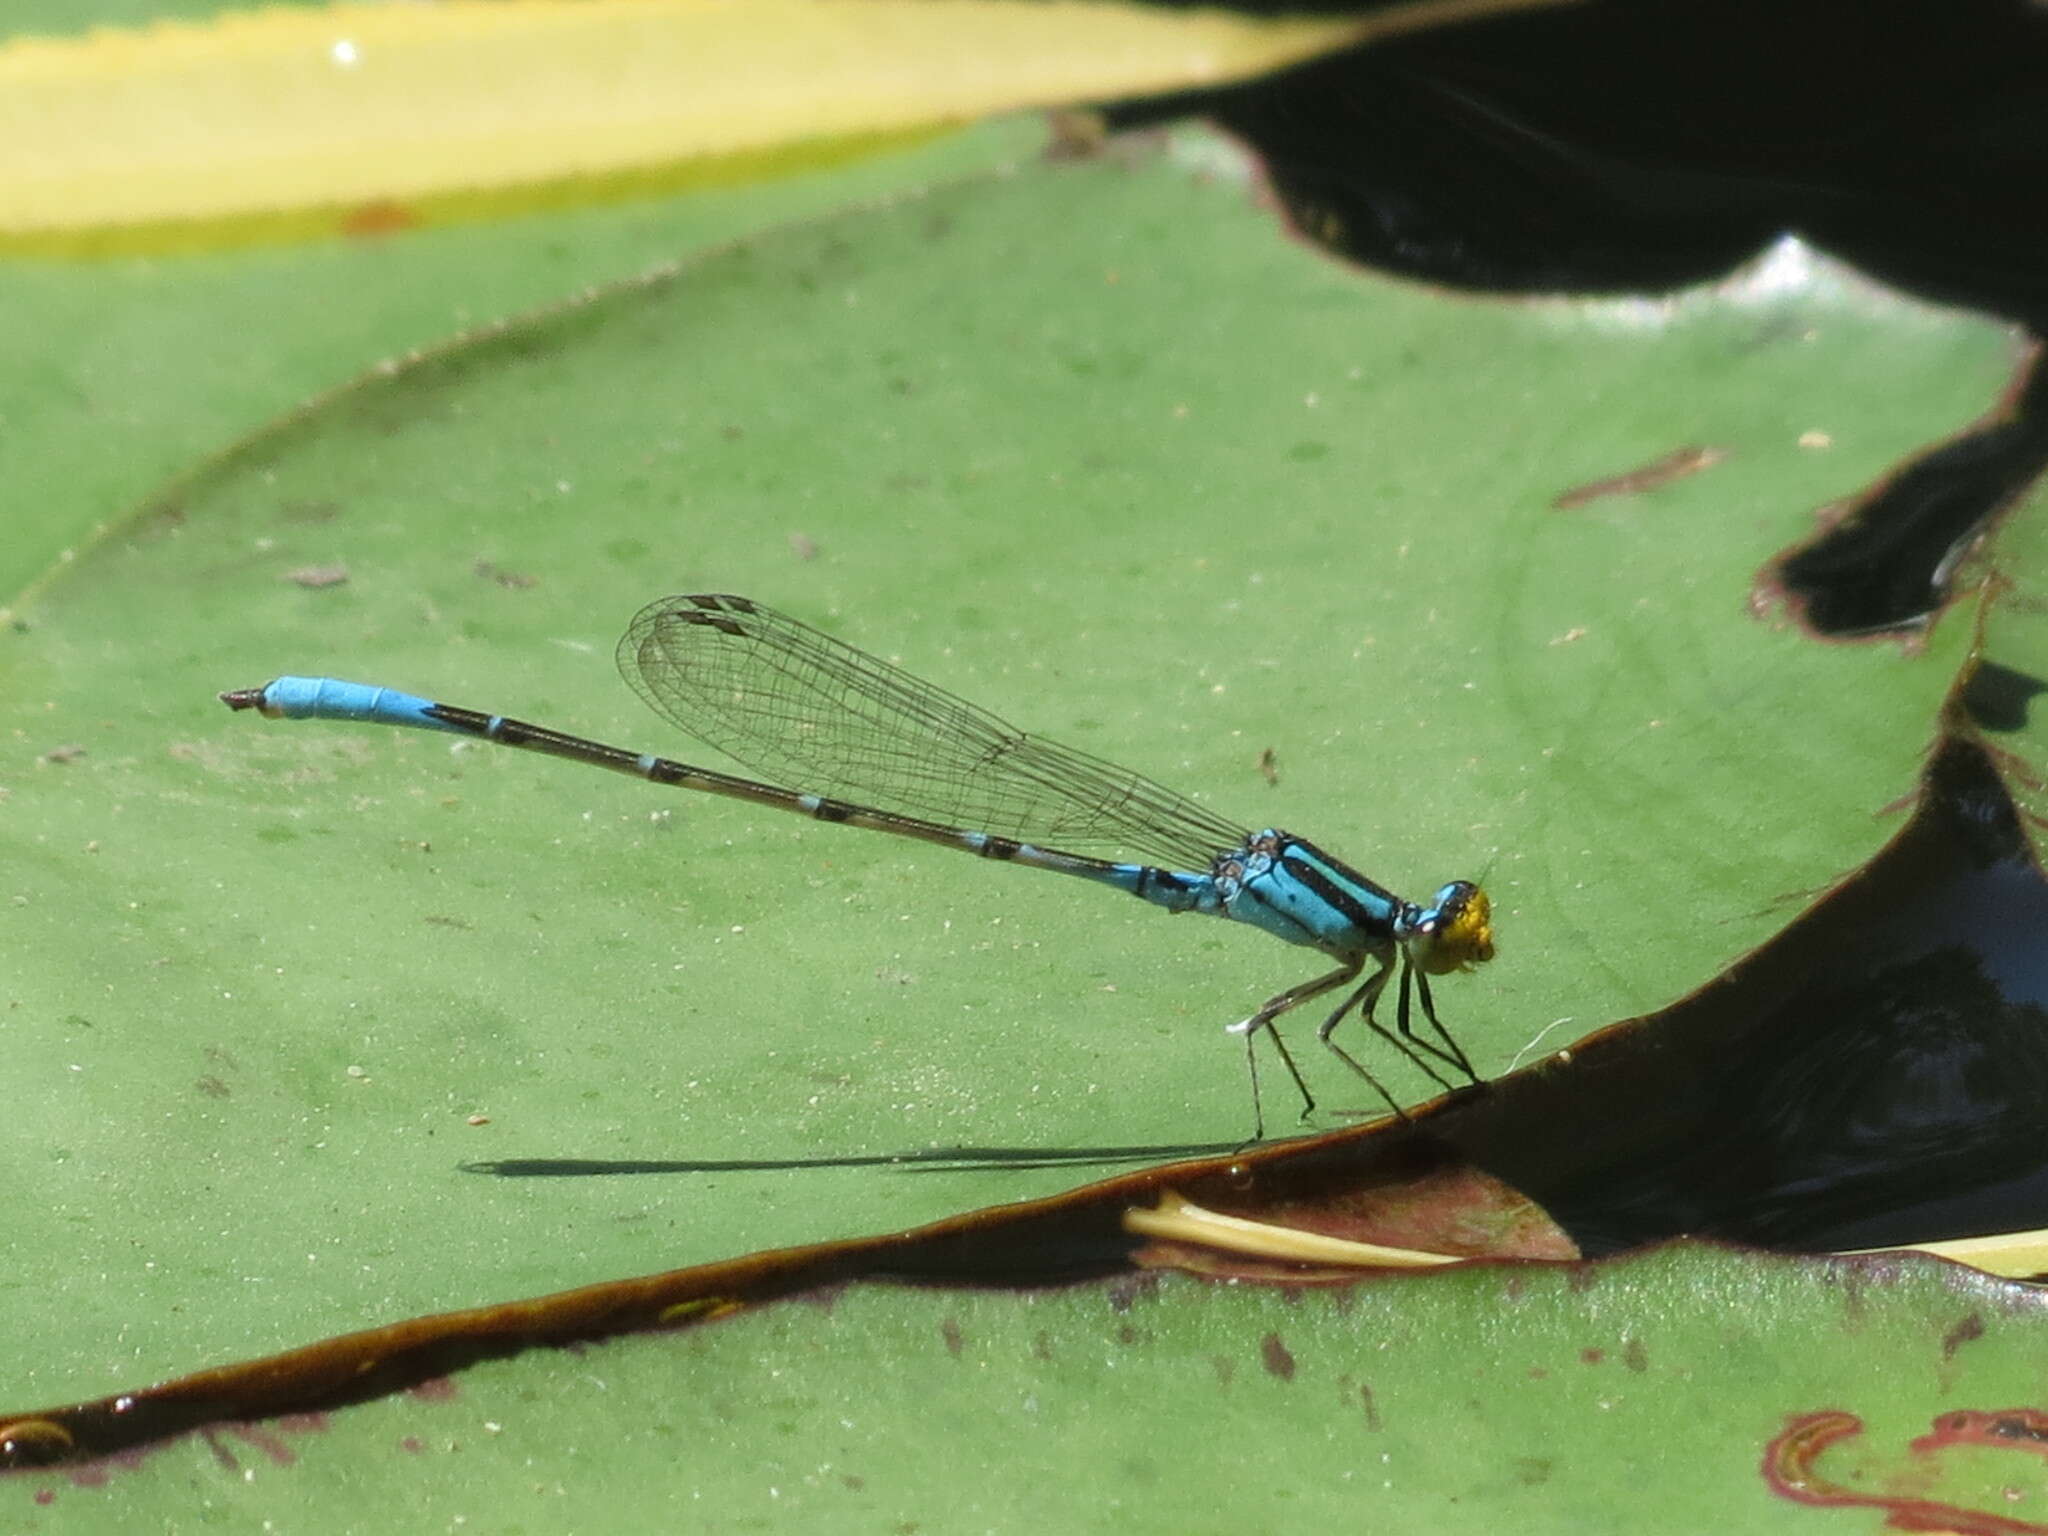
[[859, 741]]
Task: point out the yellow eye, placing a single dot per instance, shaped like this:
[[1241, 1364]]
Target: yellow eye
[[1464, 933]]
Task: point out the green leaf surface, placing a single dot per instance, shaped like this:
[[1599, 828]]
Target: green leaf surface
[[125, 372], [1659, 1392], [1092, 444]]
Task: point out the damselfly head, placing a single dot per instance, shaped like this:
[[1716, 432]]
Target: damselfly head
[[1457, 933]]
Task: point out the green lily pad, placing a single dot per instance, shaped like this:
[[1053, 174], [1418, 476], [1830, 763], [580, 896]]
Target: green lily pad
[[1664, 1390], [125, 373], [1092, 444]]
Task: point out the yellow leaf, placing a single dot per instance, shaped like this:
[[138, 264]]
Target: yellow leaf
[[286, 123]]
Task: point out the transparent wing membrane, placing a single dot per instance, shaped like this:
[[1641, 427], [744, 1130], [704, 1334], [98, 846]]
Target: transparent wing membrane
[[815, 714]]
